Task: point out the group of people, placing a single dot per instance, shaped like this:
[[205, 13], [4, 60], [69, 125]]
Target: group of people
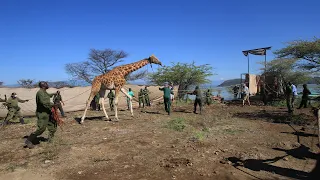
[[245, 94], [168, 96], [12, 105], [291, 96], [144, 99], [43, 112]]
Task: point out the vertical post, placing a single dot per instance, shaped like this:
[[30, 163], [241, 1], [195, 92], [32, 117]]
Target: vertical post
[[248, 73], [264, 78]]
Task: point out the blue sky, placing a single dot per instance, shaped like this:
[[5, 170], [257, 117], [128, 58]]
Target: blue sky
[[37, 38]]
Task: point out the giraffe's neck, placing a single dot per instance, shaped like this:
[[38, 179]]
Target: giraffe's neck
[[135, 66]]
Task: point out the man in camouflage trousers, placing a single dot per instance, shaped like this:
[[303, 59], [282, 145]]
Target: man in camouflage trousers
[[141, 98], [208, 97], [44, 115], [198, 100], [111, 99], [14, 109], [146, 96], [57, 99]]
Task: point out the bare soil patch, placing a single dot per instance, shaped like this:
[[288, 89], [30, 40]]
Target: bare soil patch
[[225, 142]]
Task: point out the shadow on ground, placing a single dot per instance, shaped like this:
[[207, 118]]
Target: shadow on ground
[[265, 165], [276, 117]]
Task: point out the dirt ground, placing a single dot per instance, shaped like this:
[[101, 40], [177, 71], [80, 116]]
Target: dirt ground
[[225, 142]]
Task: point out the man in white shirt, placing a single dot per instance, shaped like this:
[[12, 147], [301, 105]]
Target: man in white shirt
[[246, 94], [294, 94]]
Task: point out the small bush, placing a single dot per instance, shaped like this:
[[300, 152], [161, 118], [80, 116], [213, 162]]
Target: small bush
[[177, 124]]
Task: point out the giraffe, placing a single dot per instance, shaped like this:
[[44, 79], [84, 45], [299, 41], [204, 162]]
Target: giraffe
[[115, 80]]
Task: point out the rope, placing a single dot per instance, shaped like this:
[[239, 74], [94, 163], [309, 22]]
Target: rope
[[55, 117]]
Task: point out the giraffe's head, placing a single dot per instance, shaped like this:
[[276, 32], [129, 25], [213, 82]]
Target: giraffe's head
[[153, 59]]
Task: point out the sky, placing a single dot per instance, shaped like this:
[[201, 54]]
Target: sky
[[37, 38]]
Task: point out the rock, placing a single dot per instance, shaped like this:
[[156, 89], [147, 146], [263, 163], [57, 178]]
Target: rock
[[104, 138], [173, 146], [173, 177], [79, 172], [126, 166], [285, 159], [47, 161]]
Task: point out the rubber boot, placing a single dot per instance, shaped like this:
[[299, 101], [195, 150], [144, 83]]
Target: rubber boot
[[29, 141], [22, 121], [5, 122]]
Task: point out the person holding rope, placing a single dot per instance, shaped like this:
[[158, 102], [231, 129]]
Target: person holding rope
[[141, 98], [111, 98], [198, 100], [305, 97], [171, 95], [14, 109], [166, 97], [208, 97], [146, 96], [44, 115], [246, 94], [289, 94], [57, 99]]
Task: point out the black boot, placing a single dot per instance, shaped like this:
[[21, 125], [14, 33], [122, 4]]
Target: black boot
[[5, 122], [22, 121], [29, 141]]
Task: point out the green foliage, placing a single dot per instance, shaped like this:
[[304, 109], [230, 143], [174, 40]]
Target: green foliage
[[182, 74], [287, 71], [177, 124], [307, 51]]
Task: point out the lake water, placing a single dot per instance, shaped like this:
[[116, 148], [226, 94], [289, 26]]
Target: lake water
[[227, 95]]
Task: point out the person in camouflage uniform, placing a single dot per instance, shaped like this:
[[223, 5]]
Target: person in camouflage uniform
[[146, 96], [44, 115], [14, 109], [141, 98], [208, 97], [166, 97], [198, 100], [57, 99], [111, 99], [289, 97]]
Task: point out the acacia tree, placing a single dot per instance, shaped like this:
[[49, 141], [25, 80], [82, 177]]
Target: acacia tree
[[99, 62], [182, 74], [26, 83], [286, 70], [307, 52]]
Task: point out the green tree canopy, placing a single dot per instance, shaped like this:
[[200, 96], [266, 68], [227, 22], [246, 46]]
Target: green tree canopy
[[307, 52], [182, 74], [287, 70]]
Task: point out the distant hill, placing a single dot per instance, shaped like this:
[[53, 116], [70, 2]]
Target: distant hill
[[230, 82]]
